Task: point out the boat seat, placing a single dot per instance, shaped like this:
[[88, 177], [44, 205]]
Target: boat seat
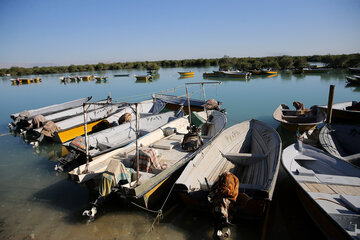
[[244, 159], [305, 172], [340, 180], [352, 201], [301, 157]]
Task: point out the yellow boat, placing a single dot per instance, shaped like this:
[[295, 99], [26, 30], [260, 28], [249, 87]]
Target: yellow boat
[[269, 72], [20, 81], [143, 77], [183, 74]]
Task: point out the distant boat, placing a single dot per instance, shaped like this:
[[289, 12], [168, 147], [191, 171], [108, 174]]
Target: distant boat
[[101, 78], [255, 71], [267, 71], [122, 75], [237, 74], [295, 120], [328, 188], [251, 150], [354, 69], [143, 77], [316, 70], [344, 112], [342, 141], [209, 74], [88, 78], [20, 81], [189, 73]]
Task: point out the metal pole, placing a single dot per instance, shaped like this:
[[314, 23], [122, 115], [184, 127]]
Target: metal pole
[[86, 139], [188, 100], [203, 90], [137, 146], [330, 103]]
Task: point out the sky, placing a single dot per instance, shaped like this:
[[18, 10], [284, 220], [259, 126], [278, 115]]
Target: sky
[[64, 32]]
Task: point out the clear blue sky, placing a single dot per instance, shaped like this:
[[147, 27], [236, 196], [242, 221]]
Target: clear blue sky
[[63, 32]]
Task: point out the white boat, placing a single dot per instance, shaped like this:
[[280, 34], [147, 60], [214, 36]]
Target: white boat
[[250, 150], [342, 141], [70, 128], [166, 141], [113, 138], [328, 187], [27, 115]]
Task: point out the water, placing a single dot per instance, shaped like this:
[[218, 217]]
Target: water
[[38, 203]]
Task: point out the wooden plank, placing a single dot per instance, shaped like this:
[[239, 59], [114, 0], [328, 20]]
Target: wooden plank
[[305, 187], [342, 189], [318, 187]]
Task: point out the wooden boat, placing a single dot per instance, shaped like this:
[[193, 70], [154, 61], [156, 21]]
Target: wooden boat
[[295, 120], [167, 142], [103, 117], [250, 150], [27, 115], [342, 141], [113, 138], [344, 112], [328, 187], [122, 75], [354, 69], [355, 79], [189, 73]]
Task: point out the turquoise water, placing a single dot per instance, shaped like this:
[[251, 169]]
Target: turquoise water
[[38, 203]]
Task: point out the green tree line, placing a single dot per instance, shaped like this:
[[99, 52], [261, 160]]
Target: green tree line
[[226, 62]]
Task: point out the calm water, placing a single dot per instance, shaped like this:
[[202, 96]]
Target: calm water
[[38, 203]]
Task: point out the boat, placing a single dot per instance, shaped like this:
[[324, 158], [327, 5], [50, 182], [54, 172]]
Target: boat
[[354, 69], [251, 151], [143, 77], [112, 138], [328, 188], [316, 70], [299, 120], [173, 102], [344, 112], [355, 79], [268, 71], [88, 77], [189, 73], [25, 117], [237, 74], [97, 119], [122, 75], [342, 141], [20, 81], [101, 78], [166, 141]]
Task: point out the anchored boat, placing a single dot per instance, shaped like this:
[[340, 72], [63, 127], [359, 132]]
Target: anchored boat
[[328, 187]]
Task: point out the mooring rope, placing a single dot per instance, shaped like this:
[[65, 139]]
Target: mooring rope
[[158, 212]]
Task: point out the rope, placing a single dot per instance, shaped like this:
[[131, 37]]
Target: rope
[[324, 199], [159, 212], [4, 134]]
